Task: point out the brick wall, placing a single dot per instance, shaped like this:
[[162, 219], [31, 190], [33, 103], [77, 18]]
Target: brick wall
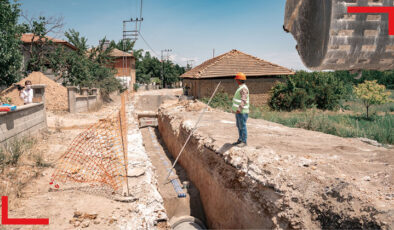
[[25, 120], [259, 87], [129, 71]]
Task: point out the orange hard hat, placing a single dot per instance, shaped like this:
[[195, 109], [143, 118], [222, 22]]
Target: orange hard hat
[[240, 76]]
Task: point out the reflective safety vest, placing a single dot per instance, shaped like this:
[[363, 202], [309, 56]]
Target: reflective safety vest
[[237, 99]]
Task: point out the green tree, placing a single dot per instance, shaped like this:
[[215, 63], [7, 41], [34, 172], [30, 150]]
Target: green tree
[[304, 90], [76, 40], [371, 93], [40, 46], [126, 46], [85, 68], [10, 33], [172, 72], [149, 67]]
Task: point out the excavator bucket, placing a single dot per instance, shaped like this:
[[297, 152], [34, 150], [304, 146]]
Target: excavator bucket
[[329, 38]]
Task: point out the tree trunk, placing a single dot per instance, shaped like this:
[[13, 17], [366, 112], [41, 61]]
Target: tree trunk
[[367, 110]]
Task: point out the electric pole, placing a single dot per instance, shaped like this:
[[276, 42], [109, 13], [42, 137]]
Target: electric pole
[[189, 66], [162, 63], [129, 35]]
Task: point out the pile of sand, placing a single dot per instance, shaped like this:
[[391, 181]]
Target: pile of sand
[[55, 94]]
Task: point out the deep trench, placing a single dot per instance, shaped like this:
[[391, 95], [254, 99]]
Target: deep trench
[[220, 203], [220, 195], [187, 209], [176, 207]]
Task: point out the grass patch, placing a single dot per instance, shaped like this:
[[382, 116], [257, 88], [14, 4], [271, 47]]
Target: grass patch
[[350, 123], [378, 128], [11, 153]]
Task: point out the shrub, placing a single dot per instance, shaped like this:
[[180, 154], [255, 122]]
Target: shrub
[[136, 87], [2, 157], [304, 90], [220, 100], [15, 151]]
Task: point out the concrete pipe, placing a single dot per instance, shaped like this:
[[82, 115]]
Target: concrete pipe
[[186, 223]]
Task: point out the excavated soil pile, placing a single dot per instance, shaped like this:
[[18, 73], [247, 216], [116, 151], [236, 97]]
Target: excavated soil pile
[[55, 94], [285, 178]]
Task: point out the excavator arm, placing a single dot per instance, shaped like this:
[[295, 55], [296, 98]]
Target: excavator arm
[[329, 38]]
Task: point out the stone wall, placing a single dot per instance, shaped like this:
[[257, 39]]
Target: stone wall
[[259, 87], [25, 120]]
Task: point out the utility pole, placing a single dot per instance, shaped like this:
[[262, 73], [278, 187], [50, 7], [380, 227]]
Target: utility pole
[[190, 65], [129, 35], [213, 53], [162, 64]]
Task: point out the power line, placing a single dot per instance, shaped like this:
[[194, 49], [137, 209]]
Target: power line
[[148, 45], [139, 29]]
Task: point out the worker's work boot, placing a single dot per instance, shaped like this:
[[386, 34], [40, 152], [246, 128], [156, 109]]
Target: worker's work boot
[[237, 143], [242, 144]]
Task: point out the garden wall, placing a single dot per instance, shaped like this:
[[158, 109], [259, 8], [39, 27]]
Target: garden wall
[[24, 121], [84, 101]]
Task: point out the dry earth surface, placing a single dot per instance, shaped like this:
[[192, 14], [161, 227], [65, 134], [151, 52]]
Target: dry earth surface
[[74, 209], [291, 178]]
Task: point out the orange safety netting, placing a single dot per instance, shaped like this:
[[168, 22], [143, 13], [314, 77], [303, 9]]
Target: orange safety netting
[[97, 157]]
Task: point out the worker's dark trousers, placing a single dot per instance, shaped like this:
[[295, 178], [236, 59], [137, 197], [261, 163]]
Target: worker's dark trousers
[[241, 119]]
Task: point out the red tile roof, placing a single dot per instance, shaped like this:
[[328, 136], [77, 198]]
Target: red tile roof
[[29, 38], [119, 53], [228, 64]]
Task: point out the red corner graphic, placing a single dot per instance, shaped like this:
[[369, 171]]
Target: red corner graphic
[[375, 10], [6, 221]]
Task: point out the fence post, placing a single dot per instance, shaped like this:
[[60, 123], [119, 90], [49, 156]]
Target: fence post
[[123, 130]]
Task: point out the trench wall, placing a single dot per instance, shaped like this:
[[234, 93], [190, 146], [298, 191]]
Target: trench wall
[[25, 120], [230, 199]]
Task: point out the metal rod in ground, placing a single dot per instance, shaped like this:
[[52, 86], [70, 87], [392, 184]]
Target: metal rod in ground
[[191, 133], [123, 132]]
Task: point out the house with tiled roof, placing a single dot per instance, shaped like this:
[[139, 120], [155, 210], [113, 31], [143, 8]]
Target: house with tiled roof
[[202, 80], [124, 64], [29, 40]]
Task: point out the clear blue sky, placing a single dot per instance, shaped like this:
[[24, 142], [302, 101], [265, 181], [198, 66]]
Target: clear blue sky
[[191, 28]]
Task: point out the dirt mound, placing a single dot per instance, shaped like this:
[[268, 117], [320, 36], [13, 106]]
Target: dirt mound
[[55, 94]]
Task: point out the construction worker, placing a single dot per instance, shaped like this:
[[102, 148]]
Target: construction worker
[[241, 109]]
